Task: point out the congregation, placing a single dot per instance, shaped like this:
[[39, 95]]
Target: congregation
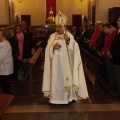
[[99, 39], [15, 45]]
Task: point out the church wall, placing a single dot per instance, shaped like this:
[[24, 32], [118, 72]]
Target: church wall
[[4, 12], [102, 7], [70, 7], [93, 2], [37, 10]]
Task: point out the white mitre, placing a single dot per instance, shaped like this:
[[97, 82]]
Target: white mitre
[[61, 19]]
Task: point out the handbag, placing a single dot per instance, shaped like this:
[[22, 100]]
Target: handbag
[[23, 72]]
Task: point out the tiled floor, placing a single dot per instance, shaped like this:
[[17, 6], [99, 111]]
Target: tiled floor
[[103, 106]]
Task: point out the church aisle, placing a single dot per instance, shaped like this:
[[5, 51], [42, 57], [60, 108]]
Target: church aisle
[[103, 107], [73, 107], [70, 112]]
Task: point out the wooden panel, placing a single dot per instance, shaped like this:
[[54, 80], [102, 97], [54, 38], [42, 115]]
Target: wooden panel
[[114, 14], [77, 20]]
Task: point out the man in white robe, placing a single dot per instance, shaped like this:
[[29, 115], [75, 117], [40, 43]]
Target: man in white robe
[[63, 79]]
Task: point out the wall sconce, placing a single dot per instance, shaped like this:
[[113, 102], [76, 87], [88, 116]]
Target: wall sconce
[[20, 1]]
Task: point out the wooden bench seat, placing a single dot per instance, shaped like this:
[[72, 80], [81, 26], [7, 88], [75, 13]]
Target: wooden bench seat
[[5, 100]]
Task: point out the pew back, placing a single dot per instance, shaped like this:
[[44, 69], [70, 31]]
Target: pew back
[[5, 100], [91, 66]]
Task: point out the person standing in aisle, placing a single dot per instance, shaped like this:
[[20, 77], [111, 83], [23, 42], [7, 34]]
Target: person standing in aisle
[[63, 78]]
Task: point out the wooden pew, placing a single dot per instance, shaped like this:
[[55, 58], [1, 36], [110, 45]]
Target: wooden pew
[[38, 45], [25, 88], [34, 60], [35, 56], [91, 66], [93, 69], [5, 100]]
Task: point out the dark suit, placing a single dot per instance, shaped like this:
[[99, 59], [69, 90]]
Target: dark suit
[[115, 52], [76, 35]]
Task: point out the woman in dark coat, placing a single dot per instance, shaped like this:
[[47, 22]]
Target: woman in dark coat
[[14, 45]]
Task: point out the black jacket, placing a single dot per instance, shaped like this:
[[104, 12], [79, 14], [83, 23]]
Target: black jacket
[[115, 50]]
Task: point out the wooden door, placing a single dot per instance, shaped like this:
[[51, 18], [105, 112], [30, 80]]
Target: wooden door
[[77, 20], [26, 18], [114, 14]]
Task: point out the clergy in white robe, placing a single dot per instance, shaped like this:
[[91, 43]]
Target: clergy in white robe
[[63, 78]]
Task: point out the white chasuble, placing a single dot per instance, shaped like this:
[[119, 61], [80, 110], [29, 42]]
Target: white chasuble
[[59, 71]]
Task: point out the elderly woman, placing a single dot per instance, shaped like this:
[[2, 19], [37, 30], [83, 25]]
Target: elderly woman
[[6, 61]]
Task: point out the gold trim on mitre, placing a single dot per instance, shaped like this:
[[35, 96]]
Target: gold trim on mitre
[[61, 19]]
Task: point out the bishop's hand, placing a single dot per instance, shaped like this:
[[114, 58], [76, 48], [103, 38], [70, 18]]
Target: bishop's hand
[[56, 46], [66, 37]]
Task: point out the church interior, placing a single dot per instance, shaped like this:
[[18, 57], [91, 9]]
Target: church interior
[[37, 18]]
